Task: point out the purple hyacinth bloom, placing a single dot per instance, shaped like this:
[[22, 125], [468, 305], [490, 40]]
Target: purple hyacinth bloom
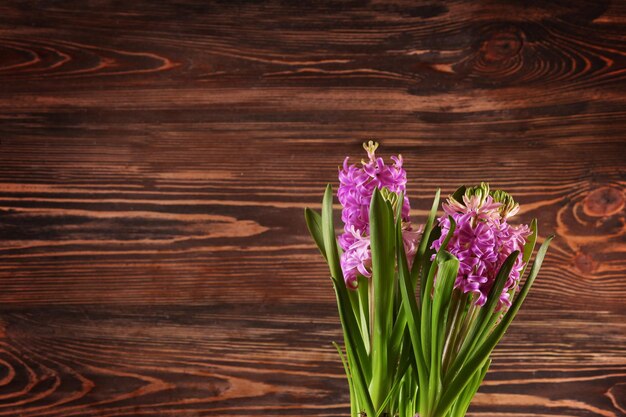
[[357, 184], [482, 241]]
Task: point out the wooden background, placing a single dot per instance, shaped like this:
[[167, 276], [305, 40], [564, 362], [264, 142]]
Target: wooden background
[[156, 157]]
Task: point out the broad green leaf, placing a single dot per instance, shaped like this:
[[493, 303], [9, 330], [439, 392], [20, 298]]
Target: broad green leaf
[[328, 234], [399, 325], [447, 270], [382, 233], [403, 365], [314, 224], [397, 298]]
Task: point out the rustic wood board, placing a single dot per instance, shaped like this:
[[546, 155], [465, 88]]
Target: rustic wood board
[[156, 157]]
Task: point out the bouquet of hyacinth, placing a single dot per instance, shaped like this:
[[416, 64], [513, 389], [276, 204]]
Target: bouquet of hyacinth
[[421, 307]]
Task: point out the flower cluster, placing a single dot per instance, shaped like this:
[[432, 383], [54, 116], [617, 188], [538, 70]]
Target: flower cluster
[[385, 319], [482, 241], [357, 184]]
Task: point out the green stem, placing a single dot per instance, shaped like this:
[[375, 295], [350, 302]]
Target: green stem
[[461, 336], [458, 304], [370, 287]]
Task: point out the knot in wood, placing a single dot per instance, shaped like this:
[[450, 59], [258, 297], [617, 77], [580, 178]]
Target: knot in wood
[[501, 45], [584, 263], [604, 201]]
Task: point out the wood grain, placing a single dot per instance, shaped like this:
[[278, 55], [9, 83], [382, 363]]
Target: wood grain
[[155, 159], [260, 360]]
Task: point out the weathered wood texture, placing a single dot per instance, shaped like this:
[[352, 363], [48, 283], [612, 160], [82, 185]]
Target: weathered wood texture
[[155, 158]]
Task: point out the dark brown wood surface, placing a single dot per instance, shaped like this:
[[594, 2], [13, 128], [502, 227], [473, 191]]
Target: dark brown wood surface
[[156, 157]]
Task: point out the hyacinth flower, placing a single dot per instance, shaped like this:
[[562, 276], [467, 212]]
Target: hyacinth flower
[[375, 209], [423, 355], [356, 187], [469, 294]]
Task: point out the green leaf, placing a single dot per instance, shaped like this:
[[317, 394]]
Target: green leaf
[[446, 240], [362, 396], [427, 260], [459, 193], [412, 315], [529, 247], [447, 270], [418, 261], [399, 325], [403, 365], [345, 305], [481, 324], [334, 264], [397, 334], [350, 328], [487, 311], [353, 296], [426, 315], [480, 356], [534, 271], [353, 400], [426, 311], [382, 245], [464, 400], [364, 315], [398, 207], [328, 234], [314, 224], [354, 351]]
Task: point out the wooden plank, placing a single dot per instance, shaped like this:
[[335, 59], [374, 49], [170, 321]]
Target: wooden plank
[[156, 157], [243, 218], [259, 360]]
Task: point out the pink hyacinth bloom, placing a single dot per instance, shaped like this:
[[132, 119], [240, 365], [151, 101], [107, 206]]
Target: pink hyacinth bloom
[[482, 241], [357, 184]]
